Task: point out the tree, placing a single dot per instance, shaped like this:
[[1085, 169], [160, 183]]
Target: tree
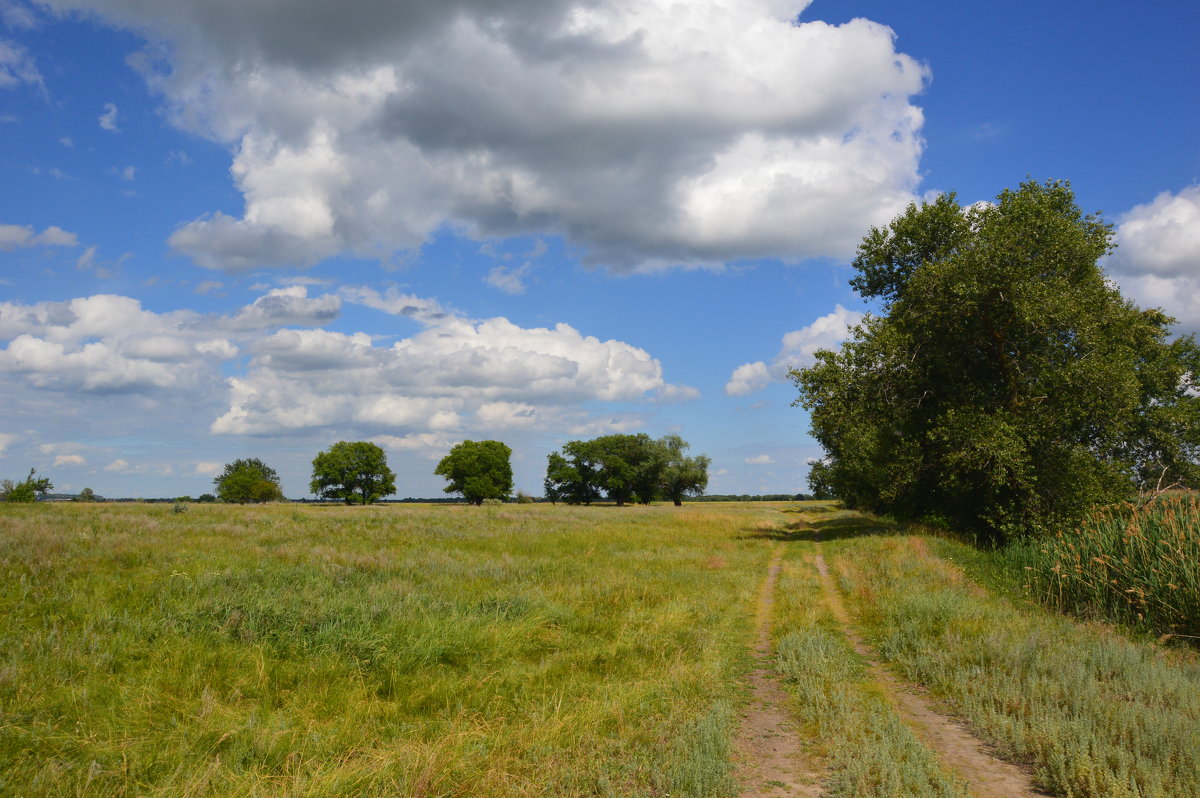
[[571, 476], [681, 475], [27, 490], [478, 470], [1006, 386], [249, 480], [86, 495], [354, 472]]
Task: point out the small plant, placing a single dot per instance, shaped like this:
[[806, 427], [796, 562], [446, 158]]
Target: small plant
[[180, 506]]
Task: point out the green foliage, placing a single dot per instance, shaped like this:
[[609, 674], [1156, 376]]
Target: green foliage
[[353, 472], [682, 475], [87, 495], [1137, 564], [1007, 386], [27, 490], [626, 468], [248, 481], [478, 470], [206, 498]]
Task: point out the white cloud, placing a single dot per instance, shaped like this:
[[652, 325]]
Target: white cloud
[[208, 468], [15, 235], [69, 460], [17, 66], [651, 134], [118, 465], [1157, 261], [290, 305], [125, 172], [510, 281], [108, 119], [208, 286], [6, 440], [760, 459], [797, 350]]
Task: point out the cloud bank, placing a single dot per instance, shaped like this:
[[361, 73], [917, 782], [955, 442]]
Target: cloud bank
[[1157, 261], [650, 134], [797, 350]]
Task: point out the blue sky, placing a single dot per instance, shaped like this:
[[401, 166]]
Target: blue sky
[[227, 231]]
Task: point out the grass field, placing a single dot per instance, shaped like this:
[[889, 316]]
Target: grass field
[[524, 650]]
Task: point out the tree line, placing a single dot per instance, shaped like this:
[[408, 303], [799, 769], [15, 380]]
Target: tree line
[[622, 468]]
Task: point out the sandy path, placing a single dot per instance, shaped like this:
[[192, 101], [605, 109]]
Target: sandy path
[[771, 761], [956, 748]]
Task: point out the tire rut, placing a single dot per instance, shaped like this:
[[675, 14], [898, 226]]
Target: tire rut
[[772, 763], [956, 748]]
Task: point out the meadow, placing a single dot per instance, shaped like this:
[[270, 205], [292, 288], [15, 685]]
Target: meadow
[[539, 650]]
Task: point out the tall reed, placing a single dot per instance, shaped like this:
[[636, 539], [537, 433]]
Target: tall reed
[[1137, 564]]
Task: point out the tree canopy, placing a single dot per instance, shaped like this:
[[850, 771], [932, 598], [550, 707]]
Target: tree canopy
[[249, 480], [26, 490], [478, 470], [625, 468], [1006, 386], [352, 472]]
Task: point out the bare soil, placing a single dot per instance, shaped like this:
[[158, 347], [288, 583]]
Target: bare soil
[[956, 748], [772, 762]]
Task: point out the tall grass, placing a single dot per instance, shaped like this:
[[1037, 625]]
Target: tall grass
[[522, 650], [1098, 716], [1135, 564]]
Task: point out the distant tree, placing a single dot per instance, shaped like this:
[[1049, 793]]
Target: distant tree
[[681, 475], [571, 476], [206, 498], [86, 495], [630, 467], [249, 480], [478, 470], [26, 491], [353, 472]]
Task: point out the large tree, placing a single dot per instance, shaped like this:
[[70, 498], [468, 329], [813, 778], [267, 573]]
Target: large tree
[[353, 472], [248, 480], [1006, 385], [478, 470], [681, 475], [27, 490]]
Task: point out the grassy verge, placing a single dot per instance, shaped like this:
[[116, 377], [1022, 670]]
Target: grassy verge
[[1094, 713], [868, 749], [439, 650]]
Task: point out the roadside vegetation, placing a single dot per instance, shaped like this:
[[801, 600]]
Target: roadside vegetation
[[1092, 712], [1134, 563]]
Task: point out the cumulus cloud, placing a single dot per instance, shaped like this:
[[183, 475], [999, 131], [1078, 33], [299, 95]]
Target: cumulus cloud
[[651, 134], [6, 440], [118, 466], [1157, 261], [108, 119], [456, 373], [797, 350], [287, 306], [208, 468], [15, 235], [69, 460], [759, 459]]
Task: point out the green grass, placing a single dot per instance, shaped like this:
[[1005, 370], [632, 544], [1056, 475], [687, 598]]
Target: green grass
[[1134, 564], [437, 650], [1092, 712], [869, 751]]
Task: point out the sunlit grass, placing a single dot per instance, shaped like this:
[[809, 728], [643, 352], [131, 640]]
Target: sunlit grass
[[439, 650], [1093, 713]]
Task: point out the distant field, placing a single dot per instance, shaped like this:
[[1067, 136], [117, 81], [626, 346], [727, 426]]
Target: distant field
[[537, 650]]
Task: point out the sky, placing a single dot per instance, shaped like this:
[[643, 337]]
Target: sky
[[253, 228]]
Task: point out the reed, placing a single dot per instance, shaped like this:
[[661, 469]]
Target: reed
[[1137, 564]]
